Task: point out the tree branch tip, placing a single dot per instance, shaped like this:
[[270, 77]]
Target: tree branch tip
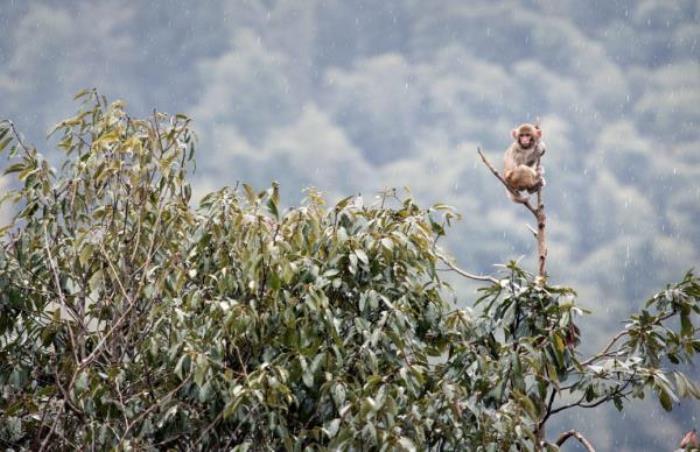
[[531, 229], [464, 273], [578, 436]]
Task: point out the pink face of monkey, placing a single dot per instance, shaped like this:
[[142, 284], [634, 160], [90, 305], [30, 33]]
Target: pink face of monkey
[[526, 135], [526, 140]]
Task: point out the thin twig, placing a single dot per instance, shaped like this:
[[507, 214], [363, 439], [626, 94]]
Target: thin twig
[[220, 416], [17, 136], [540, 426], [240, 360], [531, 229], [620, 391], [606, 349], [64, 393], [157, 129], [617, 337], [130, 305], [59, 416], [465, 273], [61, 297], [121, 401], [57, 280], [566, 435], [153, 406], [211, 425]]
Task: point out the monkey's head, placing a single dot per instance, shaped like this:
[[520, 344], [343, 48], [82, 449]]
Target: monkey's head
[[527, 135]]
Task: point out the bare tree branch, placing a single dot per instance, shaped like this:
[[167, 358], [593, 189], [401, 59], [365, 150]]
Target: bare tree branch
[[62, 298], [566, 435], [606, 349], [17, 136], [617, 392], [538, 212], [617, 337], [130, 305], [540, 426], [57, 418], [465, 273], [153, 406]]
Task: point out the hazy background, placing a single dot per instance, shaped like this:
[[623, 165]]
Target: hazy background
[[355, 96]]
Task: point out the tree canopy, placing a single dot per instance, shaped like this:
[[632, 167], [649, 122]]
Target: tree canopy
[[130, 319]]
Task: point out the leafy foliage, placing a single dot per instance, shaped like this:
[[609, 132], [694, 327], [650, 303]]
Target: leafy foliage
[[129, 319]]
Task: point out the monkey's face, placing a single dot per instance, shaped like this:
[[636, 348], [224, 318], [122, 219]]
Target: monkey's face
[[526, 140], [526, 135]]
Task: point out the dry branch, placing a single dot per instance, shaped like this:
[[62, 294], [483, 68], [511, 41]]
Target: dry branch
[[538, 212], [465, 273], [566, 435]]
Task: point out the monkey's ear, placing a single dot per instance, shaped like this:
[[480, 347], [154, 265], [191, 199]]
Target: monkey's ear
[[538, 132], [514, 133]]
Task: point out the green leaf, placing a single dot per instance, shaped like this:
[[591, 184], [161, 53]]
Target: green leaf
[[250, 194], [275, 281], [5, 142], [231, 408], [86, 254], [308, 378], [387, 243], [617, 401], [362, 256], [343, 203], [15, 168], [272, 208], [665, 399], [81, 93], [559, 344], [687, 329], [183, 366], [201, 368], [332, 428], [81, 383]]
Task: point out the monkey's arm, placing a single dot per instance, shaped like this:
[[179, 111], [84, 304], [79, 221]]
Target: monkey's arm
[[541, 148], [509, 161]]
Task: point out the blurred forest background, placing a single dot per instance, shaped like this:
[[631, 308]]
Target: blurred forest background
[[357, 96]]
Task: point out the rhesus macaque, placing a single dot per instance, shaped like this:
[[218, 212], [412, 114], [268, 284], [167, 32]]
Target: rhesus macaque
[[522, 171]]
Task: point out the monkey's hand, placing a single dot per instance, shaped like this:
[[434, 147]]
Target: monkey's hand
[[535, 188], [541, 182]]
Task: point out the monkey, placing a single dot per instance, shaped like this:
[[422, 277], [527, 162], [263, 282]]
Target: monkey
[[522, 171]]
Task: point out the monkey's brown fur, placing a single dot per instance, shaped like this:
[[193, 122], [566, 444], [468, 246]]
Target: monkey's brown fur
[[521, 159], [522, 177]]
